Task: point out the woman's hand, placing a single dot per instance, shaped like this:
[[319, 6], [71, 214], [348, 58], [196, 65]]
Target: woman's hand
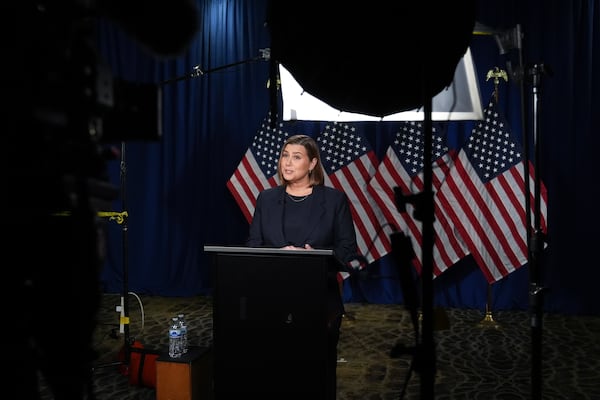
[[290, 247]]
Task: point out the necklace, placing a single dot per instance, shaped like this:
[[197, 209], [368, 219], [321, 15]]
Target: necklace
[[297, 199]]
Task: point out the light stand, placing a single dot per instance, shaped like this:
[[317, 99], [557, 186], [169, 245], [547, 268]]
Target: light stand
[[536, 244], [423, 202], [508, 40], [427, 342], [124, 308], [403, 253]]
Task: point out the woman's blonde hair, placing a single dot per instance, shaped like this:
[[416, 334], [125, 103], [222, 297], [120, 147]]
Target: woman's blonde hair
[[316, 175]]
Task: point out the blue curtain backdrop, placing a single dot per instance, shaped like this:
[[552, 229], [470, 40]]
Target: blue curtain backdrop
[[174, 188]]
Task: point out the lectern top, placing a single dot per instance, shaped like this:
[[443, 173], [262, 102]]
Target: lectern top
[[266, 250]]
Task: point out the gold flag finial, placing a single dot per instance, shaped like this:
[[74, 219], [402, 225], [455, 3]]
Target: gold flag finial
[[496, 73]]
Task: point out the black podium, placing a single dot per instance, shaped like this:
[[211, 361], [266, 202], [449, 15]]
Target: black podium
[[270, 322]]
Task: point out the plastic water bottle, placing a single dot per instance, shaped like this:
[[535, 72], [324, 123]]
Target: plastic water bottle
[[184, 330], [175, 349]]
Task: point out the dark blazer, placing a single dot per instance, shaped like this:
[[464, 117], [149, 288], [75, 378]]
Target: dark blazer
[[329, 226]]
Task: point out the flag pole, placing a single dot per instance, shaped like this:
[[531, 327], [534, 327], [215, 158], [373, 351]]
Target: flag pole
[[488, 318]]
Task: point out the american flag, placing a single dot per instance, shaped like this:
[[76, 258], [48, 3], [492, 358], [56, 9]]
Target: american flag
[[485, 197], [402, 167], [349, 163], [258, 169]]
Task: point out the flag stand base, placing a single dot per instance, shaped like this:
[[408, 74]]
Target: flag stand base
[[488, 320]]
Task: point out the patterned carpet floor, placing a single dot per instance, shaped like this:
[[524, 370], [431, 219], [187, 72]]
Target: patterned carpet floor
[[477, 355]]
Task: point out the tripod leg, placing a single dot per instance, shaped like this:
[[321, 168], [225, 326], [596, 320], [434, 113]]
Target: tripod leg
[[407, 377]]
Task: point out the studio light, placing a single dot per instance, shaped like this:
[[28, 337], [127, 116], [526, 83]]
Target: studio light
[[461, 100]]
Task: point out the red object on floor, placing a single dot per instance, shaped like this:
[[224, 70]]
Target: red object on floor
[[141, 368]]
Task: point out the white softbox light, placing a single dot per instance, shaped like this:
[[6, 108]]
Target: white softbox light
[[459, 101]]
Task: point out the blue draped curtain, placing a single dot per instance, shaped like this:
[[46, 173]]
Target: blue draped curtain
[[174, 187]]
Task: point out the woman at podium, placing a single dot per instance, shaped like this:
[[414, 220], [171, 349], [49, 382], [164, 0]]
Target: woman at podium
[[303, 213]]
